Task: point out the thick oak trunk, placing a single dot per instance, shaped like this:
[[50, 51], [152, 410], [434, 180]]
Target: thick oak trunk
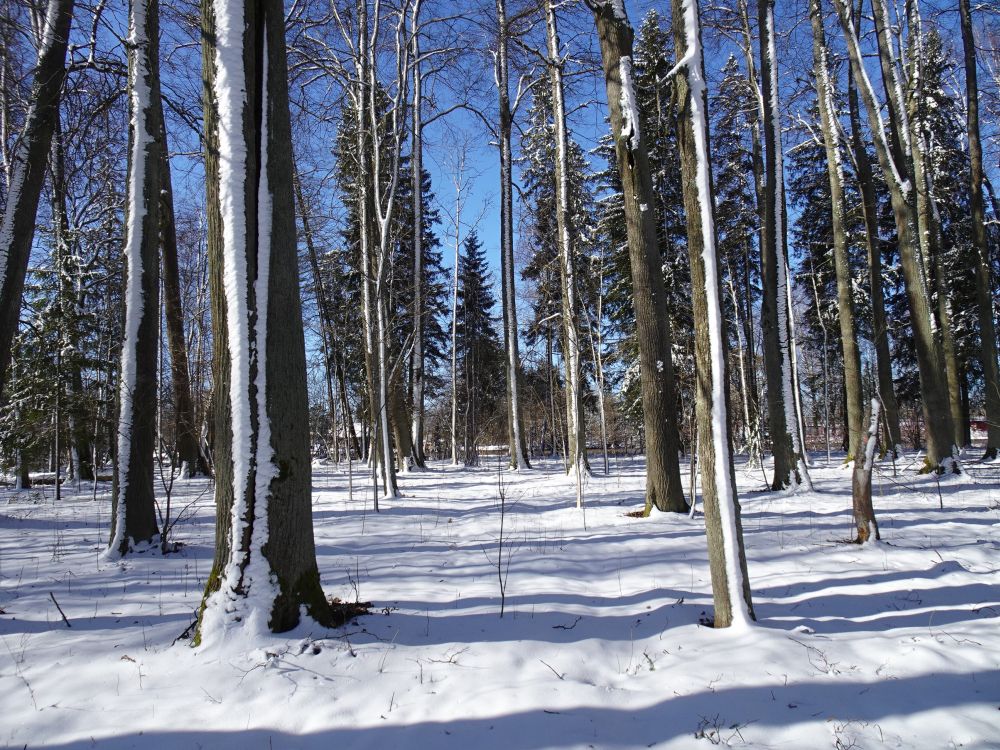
[[664, 489], [265, 563]]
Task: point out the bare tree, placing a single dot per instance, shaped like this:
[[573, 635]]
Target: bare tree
[[723, 527], [27, 171], [265, 572], [664, 489], [133, 497]]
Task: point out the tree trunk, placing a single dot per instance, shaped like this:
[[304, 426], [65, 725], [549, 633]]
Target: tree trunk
[[880, 327], [789, 467], [727, 558], [188, 452], [133, 502], [845, 300], [861, 483], [265, 570], [17, 230], [518, 460], [575, 426], [664, 489], [71, 304], [926, 340], [417, 165], [984, 294]]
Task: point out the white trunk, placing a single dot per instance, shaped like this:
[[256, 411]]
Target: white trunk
[[417, 417], [574, 417]]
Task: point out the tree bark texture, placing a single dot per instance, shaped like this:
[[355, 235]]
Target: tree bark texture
[[133, 517], [17, 230], [265, 564], [664, 489], [723, 527], [984, 296]]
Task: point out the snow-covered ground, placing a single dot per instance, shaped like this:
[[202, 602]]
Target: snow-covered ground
[[894, 644]]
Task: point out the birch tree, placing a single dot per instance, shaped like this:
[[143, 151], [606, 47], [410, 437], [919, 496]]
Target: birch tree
[[27, 171], [265, 570], [664, 489], [723, 527], [575, 425], [133, 517]]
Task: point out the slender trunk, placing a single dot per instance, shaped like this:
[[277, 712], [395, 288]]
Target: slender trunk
[[133, 501], [71, 306], [861, 483], [984, 295], [454, 327], [880, 326], [27, 172], [575, 425], [518, 460], [417, 165], [191, 459], [841, 261], [664, 489], [723, 527], [789, 468], [926, 339]]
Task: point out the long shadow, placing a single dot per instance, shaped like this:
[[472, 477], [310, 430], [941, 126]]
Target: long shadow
[[888, 610], [823, 703]]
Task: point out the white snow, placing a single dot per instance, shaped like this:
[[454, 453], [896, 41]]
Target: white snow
[[630, 110], [139, 99], [894, 645], [726, 492], [252, 606]]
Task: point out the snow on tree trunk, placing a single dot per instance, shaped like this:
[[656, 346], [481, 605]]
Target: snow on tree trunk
[[880, 328], [518, 459], [575, 427], [984, 296], [845, 301], [926, 337], [27, 172], [861, 482], [727, 558], [133, 518], [789, 467], [664, 489], [265, 570], [416, 158]]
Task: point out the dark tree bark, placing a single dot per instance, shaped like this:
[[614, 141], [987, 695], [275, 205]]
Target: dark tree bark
[[17, 230], [664, 489], [723, 527], [880, 326], [265, 560], [984, 287], [187, 449], [518, 457], [789, 466], [133, 517], [927, 344], [853, 396]]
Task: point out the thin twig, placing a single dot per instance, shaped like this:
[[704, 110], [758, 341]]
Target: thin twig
[[53, 597]]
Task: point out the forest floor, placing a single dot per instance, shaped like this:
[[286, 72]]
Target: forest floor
[[892, 644]]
